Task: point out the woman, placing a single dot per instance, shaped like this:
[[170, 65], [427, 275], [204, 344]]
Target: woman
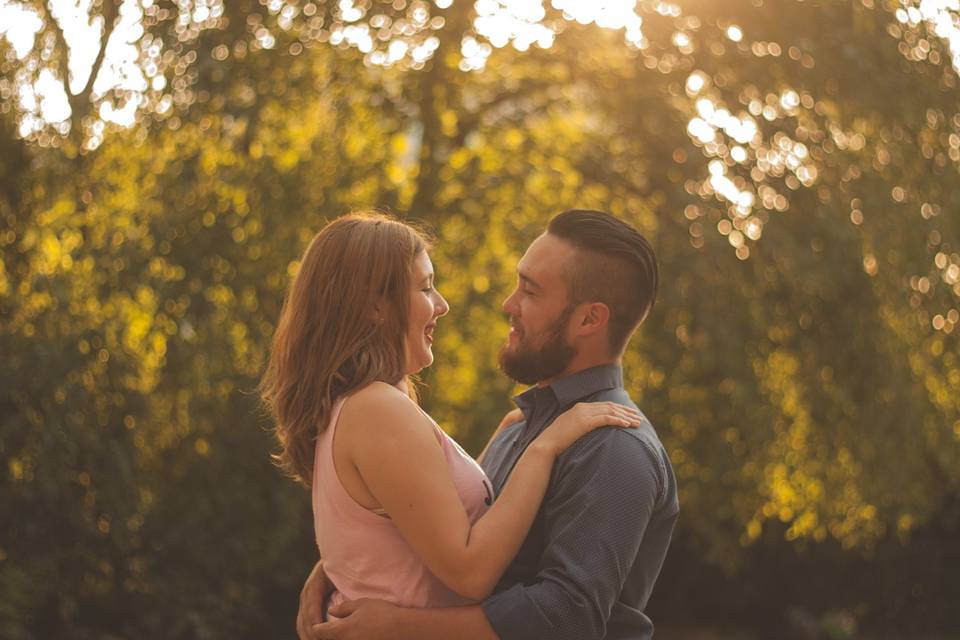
[[401, 513]]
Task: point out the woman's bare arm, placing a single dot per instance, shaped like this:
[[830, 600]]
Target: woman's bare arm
[[512, 417], [395, 449]]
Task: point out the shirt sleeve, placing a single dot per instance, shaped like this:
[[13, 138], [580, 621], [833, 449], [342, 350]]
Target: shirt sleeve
[[603, 493]]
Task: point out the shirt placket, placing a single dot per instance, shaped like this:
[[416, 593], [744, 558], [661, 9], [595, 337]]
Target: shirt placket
[[540, 416]]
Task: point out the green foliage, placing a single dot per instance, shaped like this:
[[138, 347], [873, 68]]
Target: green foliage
[[801, 363]]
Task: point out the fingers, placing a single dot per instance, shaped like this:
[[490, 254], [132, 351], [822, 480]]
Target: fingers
[[345, 608], [332, 629], [315, 629], [611, 413], [312, 597], [628, 418], [615, 420], [325, 630], [309, 612], [606, 406]]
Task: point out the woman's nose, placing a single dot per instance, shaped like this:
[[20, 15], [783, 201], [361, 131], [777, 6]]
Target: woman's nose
[[442, 306]]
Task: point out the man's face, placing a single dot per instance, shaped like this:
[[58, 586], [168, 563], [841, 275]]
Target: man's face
[[537, 347]]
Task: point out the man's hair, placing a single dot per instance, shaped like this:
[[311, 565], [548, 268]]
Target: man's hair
[[614, 265]]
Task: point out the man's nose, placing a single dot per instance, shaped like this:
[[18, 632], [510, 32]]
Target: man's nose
[[510, 304]]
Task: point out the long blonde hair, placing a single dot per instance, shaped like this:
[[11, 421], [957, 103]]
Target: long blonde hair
[[342, 327]]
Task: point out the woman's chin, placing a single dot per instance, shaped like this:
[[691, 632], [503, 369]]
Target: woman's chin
[[427, 360], [424, 361]]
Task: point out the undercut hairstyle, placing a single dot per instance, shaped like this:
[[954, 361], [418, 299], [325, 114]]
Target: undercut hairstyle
[[614, 265]]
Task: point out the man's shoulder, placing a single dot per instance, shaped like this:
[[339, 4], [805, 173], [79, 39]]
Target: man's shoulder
[[645, 434], [613, 394], [617, 447]]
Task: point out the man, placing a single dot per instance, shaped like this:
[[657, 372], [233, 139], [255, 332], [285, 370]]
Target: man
[[589, 563]]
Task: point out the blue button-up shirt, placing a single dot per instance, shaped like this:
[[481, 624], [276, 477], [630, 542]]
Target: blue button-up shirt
[[588, 565]]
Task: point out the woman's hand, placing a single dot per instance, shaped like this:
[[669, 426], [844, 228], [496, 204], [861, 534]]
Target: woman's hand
[[581, 419], [512, 416]]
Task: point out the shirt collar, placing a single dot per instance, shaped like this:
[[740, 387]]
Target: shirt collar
[[567, 390]]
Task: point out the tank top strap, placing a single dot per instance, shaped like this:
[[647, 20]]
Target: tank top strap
[[335, 411], [324, 460], [438, 433]]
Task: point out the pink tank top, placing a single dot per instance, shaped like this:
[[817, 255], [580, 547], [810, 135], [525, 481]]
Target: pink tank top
[[363, 553]]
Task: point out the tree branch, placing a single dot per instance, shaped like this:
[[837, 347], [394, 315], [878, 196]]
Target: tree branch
[[111, 15], [471, 122], [80, 101], [63, 51]]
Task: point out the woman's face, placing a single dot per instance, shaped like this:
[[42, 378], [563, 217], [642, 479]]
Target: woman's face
[[426, 306]]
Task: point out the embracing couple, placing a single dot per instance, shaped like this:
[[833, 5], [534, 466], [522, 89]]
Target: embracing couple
[[559, 529]]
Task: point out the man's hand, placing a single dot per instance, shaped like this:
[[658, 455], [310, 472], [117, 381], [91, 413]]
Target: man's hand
[[363, 619], [313, 596]]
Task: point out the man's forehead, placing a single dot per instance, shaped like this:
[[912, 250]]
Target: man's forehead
[[546, 255]]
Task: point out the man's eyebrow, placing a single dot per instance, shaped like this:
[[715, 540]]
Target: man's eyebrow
[[530, 282]]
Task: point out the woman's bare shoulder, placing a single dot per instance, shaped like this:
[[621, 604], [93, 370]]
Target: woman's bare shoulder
[[381, 407], [377, 392]]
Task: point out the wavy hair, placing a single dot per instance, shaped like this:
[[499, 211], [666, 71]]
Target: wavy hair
[[342, 327]]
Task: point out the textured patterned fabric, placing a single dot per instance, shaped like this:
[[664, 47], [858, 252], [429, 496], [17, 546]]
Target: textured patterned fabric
[[588, 566]]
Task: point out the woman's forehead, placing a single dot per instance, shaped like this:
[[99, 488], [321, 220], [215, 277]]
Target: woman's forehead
[[422, 266]]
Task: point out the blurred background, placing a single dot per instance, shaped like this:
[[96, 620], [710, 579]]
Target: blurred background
[[795, 164]]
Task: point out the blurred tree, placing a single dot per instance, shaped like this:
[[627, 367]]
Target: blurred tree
[[801, 364]]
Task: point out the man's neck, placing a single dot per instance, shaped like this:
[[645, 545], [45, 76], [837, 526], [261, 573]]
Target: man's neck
[[580, 362]]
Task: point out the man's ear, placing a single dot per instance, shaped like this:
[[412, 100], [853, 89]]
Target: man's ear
[[595, 316]]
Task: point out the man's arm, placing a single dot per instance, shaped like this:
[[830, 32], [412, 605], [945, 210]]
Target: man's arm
[[378, 620], [595, 514], [591, 543], [313, 597], [368, 619]]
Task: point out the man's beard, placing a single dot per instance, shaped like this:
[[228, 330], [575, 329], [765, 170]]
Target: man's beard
[[528, 365]]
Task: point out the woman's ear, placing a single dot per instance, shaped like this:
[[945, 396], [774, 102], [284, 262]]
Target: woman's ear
[[376, 314]]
